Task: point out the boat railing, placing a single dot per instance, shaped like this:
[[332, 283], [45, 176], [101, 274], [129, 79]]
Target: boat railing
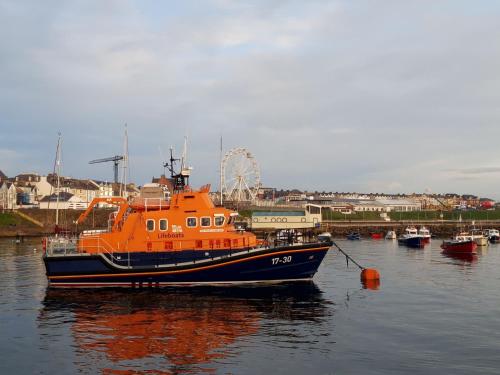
[[155, 203], [150, 203], [61, 245], [94, 231], [97, 244]]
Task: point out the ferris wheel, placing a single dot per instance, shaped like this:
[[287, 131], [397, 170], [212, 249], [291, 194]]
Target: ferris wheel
[[240, 175]]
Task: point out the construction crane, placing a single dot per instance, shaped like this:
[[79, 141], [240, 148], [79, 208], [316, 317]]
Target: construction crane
[[115, 159]]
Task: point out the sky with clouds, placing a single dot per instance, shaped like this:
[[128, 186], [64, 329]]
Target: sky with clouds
[[381, 96]]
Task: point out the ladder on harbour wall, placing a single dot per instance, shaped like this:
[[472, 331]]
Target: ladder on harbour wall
[[29, 218]]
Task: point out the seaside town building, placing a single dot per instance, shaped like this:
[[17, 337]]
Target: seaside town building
[[65, 201], [8, 196]]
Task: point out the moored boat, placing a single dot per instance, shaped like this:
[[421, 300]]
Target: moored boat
[[391, 235], [411, 238], [479, 237], [377, 236], [463, 245], [414, 241], [493, 235], [354, 236], [425, 233], [325, 237], [184, 240], [475, 235]]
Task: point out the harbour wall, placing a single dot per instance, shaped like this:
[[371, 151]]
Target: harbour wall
[[40, 222], [438, 228]]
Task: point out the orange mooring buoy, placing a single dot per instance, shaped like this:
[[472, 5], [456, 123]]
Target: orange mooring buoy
[[369, 274], [370, 278]]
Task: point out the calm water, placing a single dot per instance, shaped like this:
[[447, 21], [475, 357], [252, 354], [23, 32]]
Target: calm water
[[431, 314]]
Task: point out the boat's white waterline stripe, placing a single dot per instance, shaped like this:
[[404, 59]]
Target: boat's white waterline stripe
[[187, 270], [158, 284]]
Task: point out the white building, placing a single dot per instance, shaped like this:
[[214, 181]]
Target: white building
[[8, 196], [67, 201], [343, 208], [369, 206], [398, 205]]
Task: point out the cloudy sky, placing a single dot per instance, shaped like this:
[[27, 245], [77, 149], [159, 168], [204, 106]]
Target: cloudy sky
[[392, 96]]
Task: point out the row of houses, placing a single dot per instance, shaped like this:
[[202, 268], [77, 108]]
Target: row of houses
[[373, 201], [33, 190]]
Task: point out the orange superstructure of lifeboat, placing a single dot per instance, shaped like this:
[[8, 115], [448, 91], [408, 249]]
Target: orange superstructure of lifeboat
[[189, 220]]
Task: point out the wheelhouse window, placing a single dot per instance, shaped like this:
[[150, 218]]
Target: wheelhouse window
[[150, 225], [231, 220], [219, 221], [163, 225], [191, 222], [205, 222]]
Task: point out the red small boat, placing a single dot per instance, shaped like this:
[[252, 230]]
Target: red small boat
[[459, 246], [377, 236]]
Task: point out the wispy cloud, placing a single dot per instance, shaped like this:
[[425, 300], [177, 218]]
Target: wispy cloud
[[476, 171]]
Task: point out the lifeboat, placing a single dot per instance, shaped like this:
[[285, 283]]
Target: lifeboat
[[185, 240]]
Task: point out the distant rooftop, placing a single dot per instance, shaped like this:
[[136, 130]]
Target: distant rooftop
[[278, 213], [63, 197]]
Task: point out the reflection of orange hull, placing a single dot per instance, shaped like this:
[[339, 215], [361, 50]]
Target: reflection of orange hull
[[189, 328], [177, 335]]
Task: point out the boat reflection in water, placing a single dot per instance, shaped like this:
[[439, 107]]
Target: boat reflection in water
[[464, 257], [185, 329]]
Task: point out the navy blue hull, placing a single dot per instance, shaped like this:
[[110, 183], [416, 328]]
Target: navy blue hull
[[415, 242], [279, 264]]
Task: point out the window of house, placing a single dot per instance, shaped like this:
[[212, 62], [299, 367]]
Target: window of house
[[191, 222], [219, 221], [163, 224], [205, 222], [150, 225]]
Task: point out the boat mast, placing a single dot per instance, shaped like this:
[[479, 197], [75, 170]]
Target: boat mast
[[58, 173], [123, 182], [220, 171], [181, 178]]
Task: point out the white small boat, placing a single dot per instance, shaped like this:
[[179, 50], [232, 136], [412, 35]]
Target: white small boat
[[411, 231], [479, 238], [476, 236], [391, 235], [493, 235], [324, 237], [425, 233]]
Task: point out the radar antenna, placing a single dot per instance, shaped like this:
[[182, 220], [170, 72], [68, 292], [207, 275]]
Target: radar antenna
[[181, 178]]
